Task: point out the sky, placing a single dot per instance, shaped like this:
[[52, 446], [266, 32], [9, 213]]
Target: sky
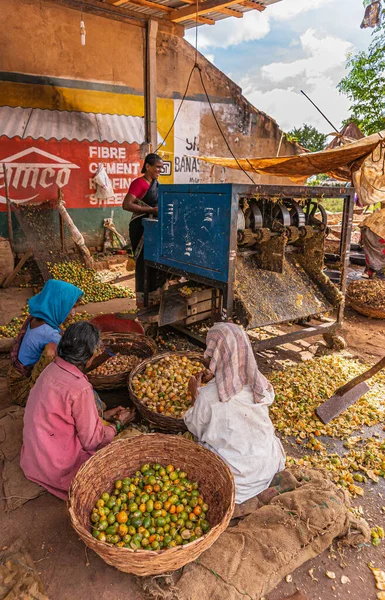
[[293, 45]]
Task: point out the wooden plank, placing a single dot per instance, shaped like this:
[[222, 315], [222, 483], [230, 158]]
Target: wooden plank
[[150, 85], [225, 10], [188, 12], [16, 270], [205, 20], [251, 4], [9, 212], [148, 3], [231, 12]]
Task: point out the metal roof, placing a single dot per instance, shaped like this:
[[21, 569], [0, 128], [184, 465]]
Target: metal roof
[[148, 8], [59, 124]]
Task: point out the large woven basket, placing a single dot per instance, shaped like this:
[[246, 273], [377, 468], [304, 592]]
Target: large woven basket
[[364, 309], [125, 343], [122, 458], [162, 422]]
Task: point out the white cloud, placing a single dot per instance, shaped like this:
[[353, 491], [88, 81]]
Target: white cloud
[[253, 26], [287, 9], [210, 57], [275, 88], [323, 54]]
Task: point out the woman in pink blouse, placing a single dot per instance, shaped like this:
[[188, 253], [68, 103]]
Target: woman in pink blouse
[[142, 201], [62, 428]]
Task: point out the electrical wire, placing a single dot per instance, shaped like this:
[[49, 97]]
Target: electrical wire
[[221, 132], [180, 106]]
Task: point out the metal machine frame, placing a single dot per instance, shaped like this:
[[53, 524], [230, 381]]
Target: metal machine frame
[[276, 192]]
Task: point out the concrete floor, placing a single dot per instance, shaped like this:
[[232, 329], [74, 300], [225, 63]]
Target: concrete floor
[[70, 572]]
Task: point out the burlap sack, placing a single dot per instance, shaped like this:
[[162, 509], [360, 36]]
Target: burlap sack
[[19, 579], [251, 558], [17, 488]]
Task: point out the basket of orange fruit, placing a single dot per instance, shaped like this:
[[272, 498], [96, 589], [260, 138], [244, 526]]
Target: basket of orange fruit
[[158, 387], [148, 505]]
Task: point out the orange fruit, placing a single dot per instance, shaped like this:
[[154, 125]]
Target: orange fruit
[[179, 508], [197, 510], [122, 517], [142, 508], [158, 505], [172, 509]]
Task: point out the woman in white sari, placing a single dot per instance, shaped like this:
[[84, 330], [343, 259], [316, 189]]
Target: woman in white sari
[[230, 414]]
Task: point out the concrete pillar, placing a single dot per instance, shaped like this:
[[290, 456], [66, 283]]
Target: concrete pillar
[[150, 85]]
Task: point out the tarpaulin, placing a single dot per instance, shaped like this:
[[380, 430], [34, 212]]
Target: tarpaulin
[[339, 163]]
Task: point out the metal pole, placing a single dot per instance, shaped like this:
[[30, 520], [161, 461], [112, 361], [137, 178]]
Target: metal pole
[[150, 85], [320, 111], [9, 213]]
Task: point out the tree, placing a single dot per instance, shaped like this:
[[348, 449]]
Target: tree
[[365, 85], [308, 136]]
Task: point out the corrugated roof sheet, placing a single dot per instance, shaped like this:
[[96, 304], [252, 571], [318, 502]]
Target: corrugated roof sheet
[[176, 4], [47, 124]]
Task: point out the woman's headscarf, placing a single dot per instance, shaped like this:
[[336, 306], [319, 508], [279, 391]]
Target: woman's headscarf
[[55, 302], [233, 362]]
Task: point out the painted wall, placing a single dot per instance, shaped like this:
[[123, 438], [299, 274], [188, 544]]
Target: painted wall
[[65, 109]]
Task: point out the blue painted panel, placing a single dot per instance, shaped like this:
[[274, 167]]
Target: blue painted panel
[[194, 225]]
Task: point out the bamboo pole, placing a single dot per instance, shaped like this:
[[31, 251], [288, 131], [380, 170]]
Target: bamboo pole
[[9, 212]]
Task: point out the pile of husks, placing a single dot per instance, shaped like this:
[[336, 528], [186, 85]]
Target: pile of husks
[[89, 281], [368, 291], [163, 386], [301, 389], [156, 508], [120, 363]]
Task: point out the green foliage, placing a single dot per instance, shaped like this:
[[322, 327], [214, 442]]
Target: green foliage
[[365, 85], [308, 136]]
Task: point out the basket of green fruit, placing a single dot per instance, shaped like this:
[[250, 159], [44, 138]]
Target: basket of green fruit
[[158, 387], [152, 504]]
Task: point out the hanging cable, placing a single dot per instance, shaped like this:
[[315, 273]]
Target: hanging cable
[[221, 132], [178, 111]]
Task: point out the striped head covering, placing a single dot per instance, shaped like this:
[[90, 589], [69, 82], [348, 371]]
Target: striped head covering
[[233, 362]]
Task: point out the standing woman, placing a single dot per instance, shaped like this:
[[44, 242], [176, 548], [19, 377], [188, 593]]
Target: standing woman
[[142, 201]]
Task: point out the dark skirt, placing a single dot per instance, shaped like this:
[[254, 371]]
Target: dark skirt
[[156, 278]]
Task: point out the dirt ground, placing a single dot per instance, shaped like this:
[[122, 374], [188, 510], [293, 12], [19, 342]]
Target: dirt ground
[[69, 571]]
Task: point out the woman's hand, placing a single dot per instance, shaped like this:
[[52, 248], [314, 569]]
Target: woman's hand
[[207, 376], [126, 415], [110, 414], [193, 386]]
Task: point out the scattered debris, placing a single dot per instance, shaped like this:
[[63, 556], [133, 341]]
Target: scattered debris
[[330, 574]]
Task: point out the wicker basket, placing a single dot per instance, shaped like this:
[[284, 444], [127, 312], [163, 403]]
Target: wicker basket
[[123, 458], [364, 309], [125, 343], [162, 422]]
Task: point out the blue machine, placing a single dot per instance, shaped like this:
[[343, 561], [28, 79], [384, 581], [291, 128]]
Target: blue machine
[[223, 234]]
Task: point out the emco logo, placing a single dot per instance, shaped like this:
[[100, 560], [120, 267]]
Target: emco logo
[[26, 178]]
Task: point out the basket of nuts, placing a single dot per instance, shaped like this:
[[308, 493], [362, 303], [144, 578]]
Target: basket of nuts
[[367, 297], [158, 387], [127, 351], [148, 506]]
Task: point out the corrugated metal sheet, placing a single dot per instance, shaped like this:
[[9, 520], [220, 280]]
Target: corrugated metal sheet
[[47, 124], [188, 24]]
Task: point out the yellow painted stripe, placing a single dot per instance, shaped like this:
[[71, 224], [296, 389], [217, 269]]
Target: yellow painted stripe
[[60, 98]]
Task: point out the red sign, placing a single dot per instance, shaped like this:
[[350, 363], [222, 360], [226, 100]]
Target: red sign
[[37, 168]]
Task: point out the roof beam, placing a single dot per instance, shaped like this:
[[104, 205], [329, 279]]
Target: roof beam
[[231, 12], [188, 12], [206, 21], [148, 3], [252, 4]]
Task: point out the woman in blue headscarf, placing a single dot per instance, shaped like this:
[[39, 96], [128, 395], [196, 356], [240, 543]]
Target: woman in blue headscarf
[[36, 343]]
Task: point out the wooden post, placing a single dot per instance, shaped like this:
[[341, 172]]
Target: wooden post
[[150, 87], [9, 213]]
